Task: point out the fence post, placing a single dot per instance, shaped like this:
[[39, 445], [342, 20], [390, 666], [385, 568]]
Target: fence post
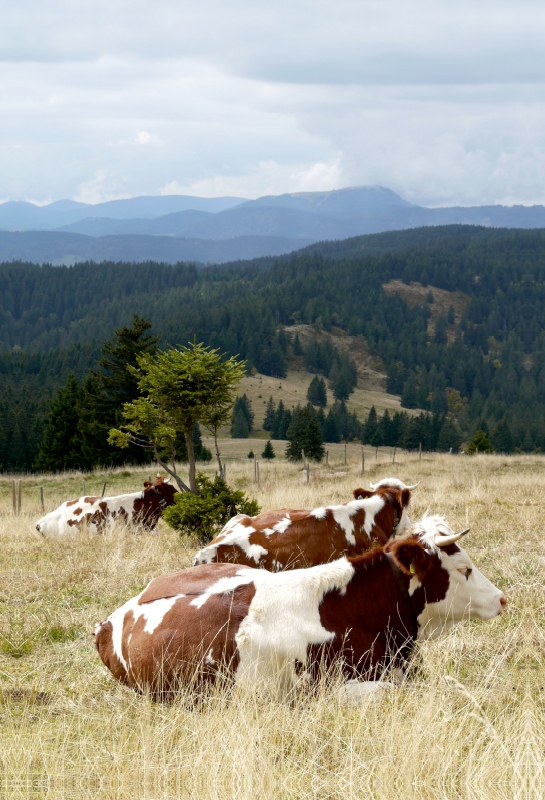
[[223, 470], [376, 455], [394, 457], [304, 459], [104, 488], [20, 496], [308, 472], [42, 498], [14, 493], [327, 458], [420, 451], [362, 461]]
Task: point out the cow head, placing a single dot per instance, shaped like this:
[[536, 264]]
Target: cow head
[[445, 586], [398, 494], [159, 493]]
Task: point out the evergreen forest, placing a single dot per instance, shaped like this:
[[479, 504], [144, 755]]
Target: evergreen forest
[[483, 369]]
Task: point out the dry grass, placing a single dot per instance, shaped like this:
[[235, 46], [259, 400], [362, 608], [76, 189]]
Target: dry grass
[[472, 724]]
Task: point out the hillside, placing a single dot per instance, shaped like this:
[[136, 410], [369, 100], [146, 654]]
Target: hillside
[[483, 361]]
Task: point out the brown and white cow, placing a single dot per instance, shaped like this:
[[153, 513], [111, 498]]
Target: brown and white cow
[[98, 513], [291, 539], [259, 626]]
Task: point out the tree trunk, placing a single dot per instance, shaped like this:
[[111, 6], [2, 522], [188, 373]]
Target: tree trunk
[[172, 472], [218, 454], [191, 459]]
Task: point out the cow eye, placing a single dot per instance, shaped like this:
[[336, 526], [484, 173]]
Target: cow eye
[[467, 572]]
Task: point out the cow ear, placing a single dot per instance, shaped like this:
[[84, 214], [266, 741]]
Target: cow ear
[[410, 556], [360, 494], [404, 498]]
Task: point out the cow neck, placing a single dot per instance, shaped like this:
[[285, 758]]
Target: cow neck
[[404, 596], [396, 515]]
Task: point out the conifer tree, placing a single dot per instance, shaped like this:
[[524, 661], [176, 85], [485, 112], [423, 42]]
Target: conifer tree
[[297, 349], [317, 393], [268, 451], [304, 434], [268, 421], [371, 425], [502, 440], [61, 446]]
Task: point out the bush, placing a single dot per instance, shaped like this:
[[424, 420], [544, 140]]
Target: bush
[[204, 514]]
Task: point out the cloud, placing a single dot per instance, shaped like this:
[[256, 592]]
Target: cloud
[[442, 102]]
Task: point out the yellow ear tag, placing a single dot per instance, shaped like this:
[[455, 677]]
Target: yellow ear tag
[[412, 570]]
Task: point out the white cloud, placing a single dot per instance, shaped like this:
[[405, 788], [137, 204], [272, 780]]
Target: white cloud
[[442, 102]]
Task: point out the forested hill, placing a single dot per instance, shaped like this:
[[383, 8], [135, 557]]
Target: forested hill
[[487, 359]]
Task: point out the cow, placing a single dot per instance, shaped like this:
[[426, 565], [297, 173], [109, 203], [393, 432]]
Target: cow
[[362, 613], [99, 513], [291, 539]]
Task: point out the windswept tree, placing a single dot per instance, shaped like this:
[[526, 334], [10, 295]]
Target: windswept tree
[[179, 388]]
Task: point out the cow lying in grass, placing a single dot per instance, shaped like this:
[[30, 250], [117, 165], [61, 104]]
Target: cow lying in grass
[[291, 539], [363, 613], [98, 513]]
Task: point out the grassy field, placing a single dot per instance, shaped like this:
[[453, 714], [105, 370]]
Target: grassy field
[[471, 724]]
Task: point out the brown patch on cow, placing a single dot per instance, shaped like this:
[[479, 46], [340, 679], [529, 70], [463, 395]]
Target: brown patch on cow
[[360, 494], [73, 522], [189, 646], [194, 580], [411, 556], [138, 505], [90, 499], [78, 511], [72, 502]]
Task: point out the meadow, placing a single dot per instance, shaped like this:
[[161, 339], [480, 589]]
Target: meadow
[[471, 724]]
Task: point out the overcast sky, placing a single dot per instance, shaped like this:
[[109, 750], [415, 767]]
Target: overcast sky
[[441, 101]]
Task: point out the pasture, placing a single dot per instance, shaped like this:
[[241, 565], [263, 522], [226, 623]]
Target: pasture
[[470, 725]]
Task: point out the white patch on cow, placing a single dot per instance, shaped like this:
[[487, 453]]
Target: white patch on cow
[[427, 529], [372, 506], [283, 525], [224, 585], [284, 619], [319, 513], [354, 692], [404, 523], [153, 613], [239, 535]]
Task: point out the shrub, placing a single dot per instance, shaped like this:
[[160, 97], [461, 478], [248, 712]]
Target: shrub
[[203, 514]]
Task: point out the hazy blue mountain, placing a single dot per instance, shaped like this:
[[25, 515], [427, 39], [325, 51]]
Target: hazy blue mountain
[[68, 248], [179, 224], [352, 201], [23, 216]]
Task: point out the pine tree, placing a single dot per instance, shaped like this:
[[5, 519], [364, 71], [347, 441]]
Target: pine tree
[[502, 440], [61, 446], [450, 437], [440, 335], [479, 444], [268, 421], [297, 349], [239, 426], [331, 430], [317, 393], [409, 393], [304, 434], [371, 425], [268, 451], [105, 391]]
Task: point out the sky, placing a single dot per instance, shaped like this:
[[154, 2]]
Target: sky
[[440, 101]]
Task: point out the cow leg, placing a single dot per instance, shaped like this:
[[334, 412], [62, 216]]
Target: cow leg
[[354, 693]]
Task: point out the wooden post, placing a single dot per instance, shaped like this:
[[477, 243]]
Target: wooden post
[[304, 460], [308, 472], [20, 496], [14, 492], [376, 454], [42, 498], [223, 471], [257, 473], [362, 461], [345, 452], [394, 457], [104, 488], [327, 458], [420, 451], [450, 451]]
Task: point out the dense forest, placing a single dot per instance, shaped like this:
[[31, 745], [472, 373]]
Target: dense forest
[[488, 367]]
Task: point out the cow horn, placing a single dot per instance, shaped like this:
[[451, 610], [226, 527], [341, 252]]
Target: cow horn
[[396, 483], [444, 541]]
